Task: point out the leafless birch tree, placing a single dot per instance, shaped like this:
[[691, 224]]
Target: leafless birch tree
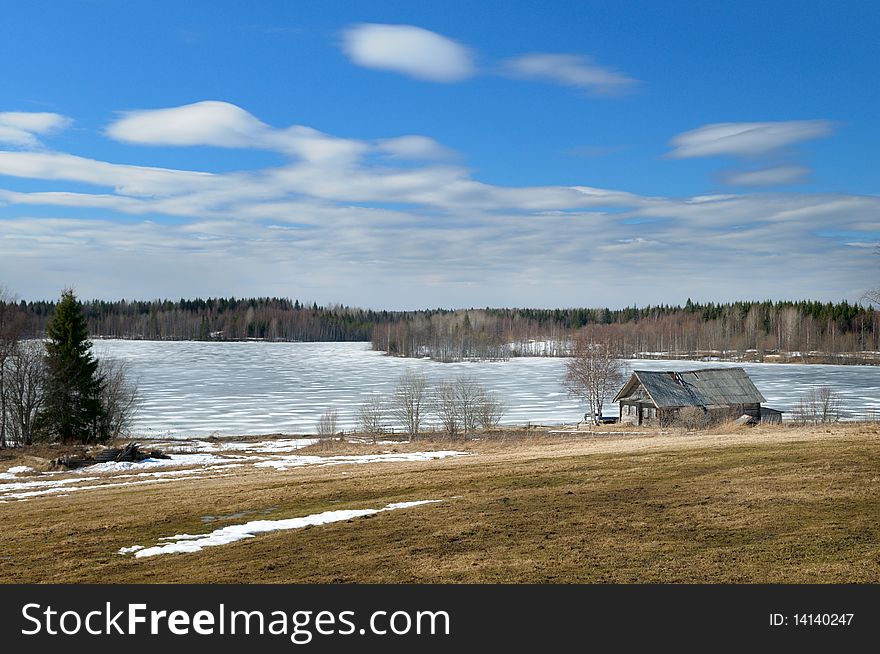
[[445, 407], [468, 397], [371, 417], [409, 399], [593, 372], [11, 324], [818, 406], [490, 410], [119, 397], [462, 405], [24, 390], [327, 424]]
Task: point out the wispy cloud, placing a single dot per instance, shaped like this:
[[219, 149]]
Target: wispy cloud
[[346, 227], [22, 129], [746, 139], [776, 176], [414, 147], [577, 71], [409, 50]]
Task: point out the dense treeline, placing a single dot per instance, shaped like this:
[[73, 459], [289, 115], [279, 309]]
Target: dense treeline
[[446, 335], [793, 328], [217, 319]]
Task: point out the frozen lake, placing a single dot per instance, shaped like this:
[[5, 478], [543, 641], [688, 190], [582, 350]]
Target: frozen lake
[[202, 388]]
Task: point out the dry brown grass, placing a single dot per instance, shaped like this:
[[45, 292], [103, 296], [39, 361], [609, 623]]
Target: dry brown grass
[[768, 504]]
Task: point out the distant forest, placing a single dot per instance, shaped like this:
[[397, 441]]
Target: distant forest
[[758, 328]]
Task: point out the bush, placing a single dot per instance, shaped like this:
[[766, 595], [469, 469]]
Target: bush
[[692, 418]]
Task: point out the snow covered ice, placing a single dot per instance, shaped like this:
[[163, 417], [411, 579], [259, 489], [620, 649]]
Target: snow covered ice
[[195, 389]]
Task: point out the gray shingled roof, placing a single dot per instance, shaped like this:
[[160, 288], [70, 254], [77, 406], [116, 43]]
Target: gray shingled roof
[[710, 386]]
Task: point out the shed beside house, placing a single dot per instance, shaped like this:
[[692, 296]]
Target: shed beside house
[[722, 393]]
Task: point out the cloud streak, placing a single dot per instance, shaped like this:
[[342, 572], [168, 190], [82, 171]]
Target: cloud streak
[[22, 129], [576, 71], [746, 139], [776, 176]]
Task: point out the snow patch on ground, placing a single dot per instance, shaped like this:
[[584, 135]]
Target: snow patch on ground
[[183, 543], [5, 489], [192, 466], [130, 550], [176, 460], [285, 462], [14, 471], [264, 447]]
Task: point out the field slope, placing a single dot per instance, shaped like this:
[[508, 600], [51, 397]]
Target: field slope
[[762, 505]]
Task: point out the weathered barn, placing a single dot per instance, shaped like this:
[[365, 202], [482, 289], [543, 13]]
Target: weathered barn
[[720, 393]]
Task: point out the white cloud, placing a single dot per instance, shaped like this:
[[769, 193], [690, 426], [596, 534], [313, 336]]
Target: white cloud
[[420, 53], [410, 50], [20, 128], [226, 125], [777, 176], [577, 71], [202, 123], [746, 139], [414, 147], [347, 222], [125, 179]]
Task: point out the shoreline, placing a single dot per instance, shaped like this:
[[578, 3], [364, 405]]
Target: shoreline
[[815, 357]]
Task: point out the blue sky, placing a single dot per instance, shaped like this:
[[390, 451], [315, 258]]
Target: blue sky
[[403, 155]]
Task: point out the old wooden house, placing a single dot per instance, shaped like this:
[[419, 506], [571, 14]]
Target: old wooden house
[[719, 393]]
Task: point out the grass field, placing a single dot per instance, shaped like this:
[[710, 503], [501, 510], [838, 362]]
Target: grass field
[[751, 505]]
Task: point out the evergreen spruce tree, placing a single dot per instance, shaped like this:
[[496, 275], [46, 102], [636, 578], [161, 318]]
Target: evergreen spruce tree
[[72, 408]]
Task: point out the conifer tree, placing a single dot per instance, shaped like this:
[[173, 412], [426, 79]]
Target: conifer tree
[[72, 408]]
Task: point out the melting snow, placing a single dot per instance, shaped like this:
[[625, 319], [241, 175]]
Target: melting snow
[[285, 462], [195, 466], [183, 543], [129, 550], [266, 447], [176, 460], [15, 470]]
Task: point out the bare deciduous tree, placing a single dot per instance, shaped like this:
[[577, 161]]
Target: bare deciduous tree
[[327, 424], [818, 406], [371, 417], [11, 327], [468, 398], [119, 397], [462, 405], [490, 410], [445, 407], [24, 390], [593, 372], [409, 399]]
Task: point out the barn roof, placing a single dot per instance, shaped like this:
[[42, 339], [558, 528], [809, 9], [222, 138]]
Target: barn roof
[[707, 387]]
